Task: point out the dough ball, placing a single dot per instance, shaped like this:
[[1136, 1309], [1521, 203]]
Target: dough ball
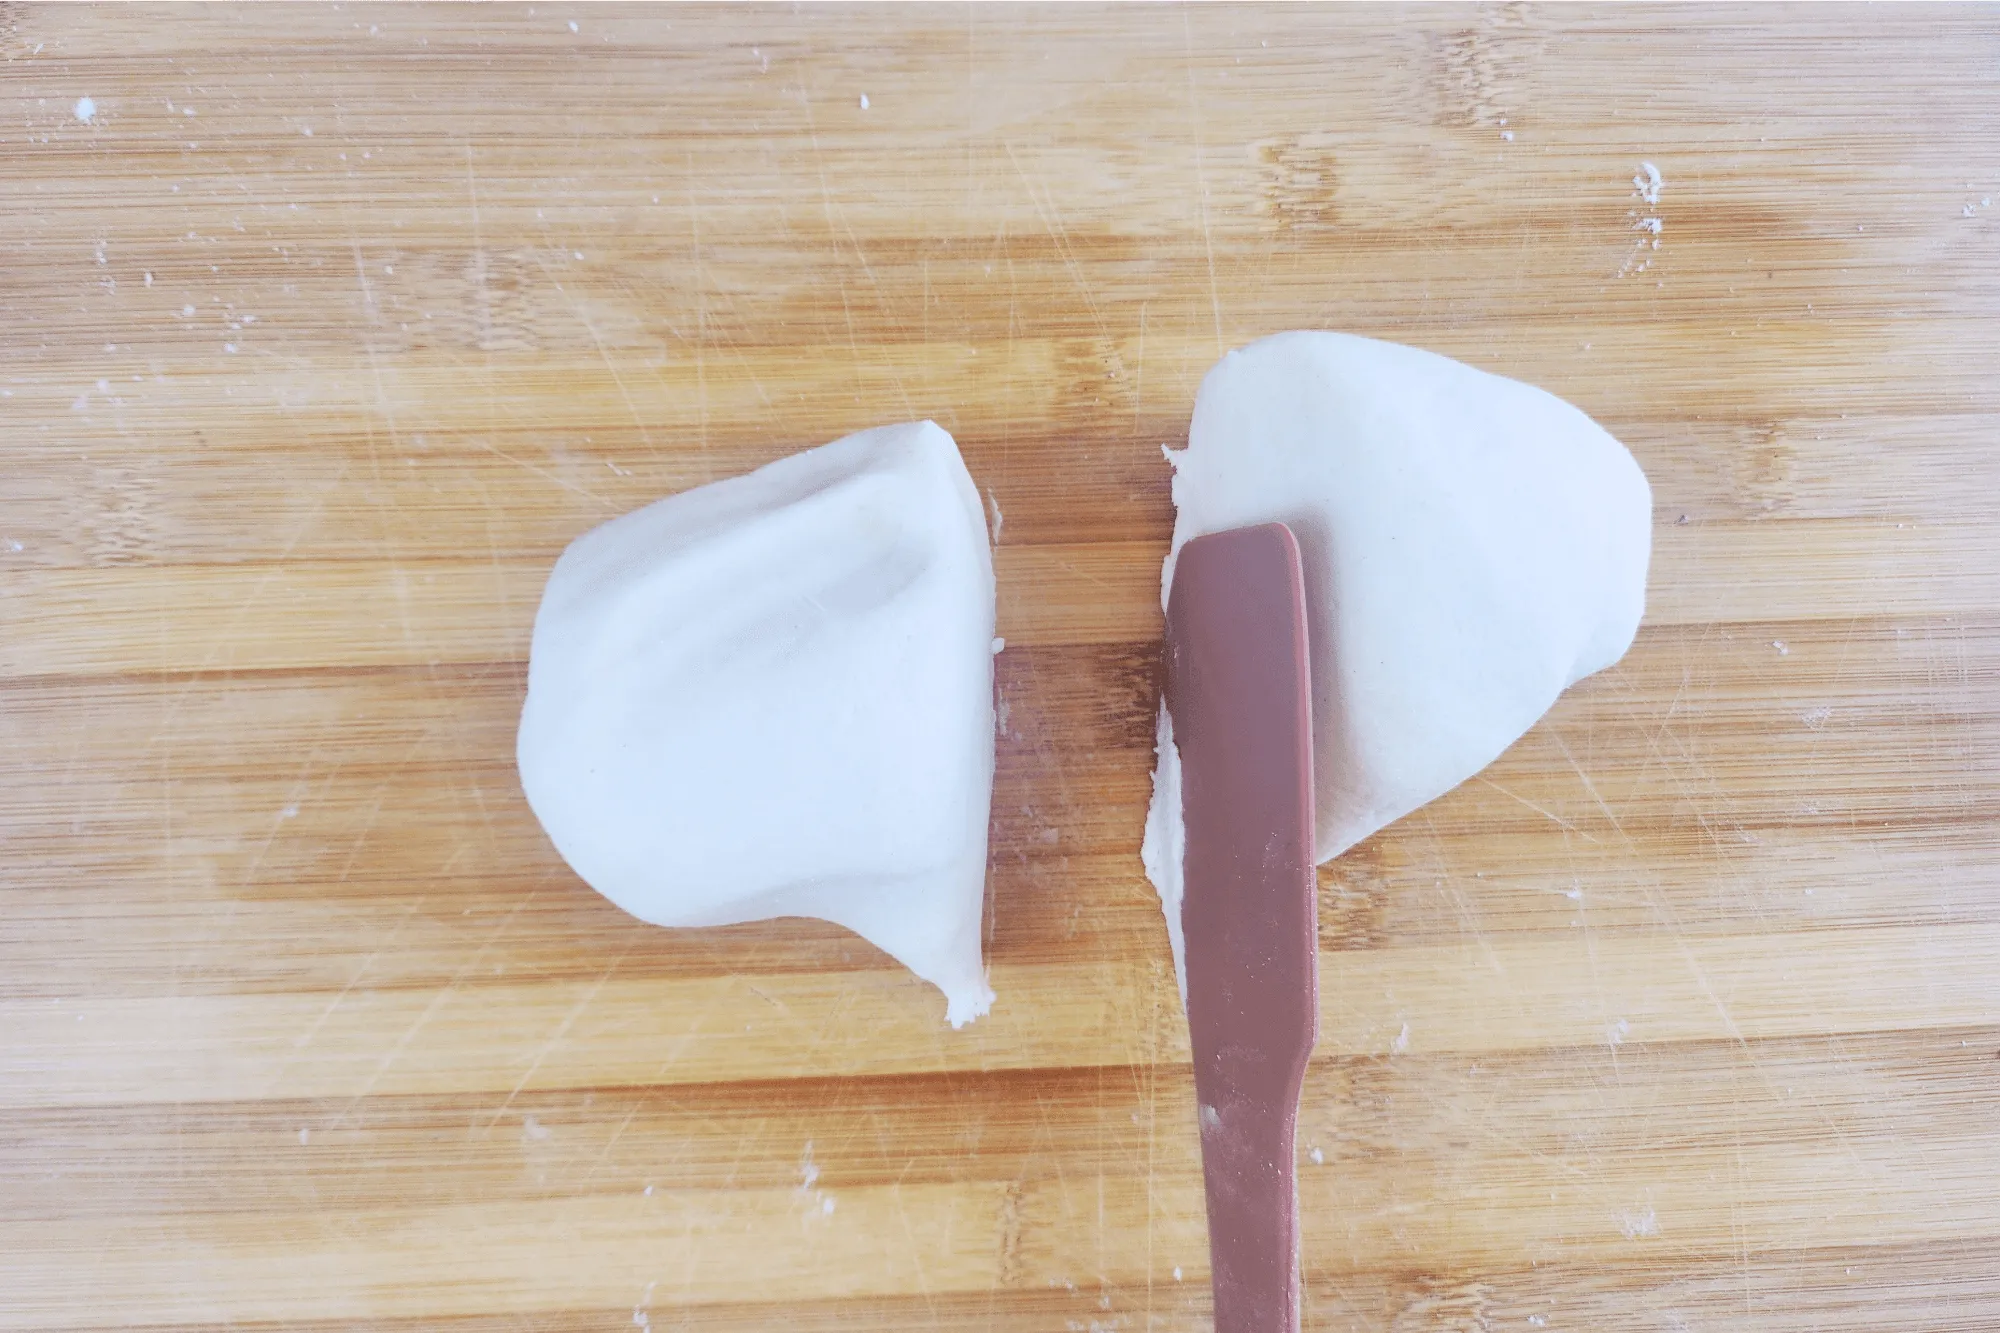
[[1472, 546], [773, 696]]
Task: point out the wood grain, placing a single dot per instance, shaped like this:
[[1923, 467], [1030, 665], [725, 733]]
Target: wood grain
[[331, 326]]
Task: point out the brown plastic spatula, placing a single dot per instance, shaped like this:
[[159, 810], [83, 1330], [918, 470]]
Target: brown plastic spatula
[[1242, 711]]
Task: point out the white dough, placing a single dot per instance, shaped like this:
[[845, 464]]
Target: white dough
[[773, 696], [1165, 845], [1472, 546]]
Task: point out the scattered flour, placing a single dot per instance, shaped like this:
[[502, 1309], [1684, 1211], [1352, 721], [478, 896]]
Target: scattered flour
[[1639, 1223], [1646, 187], [1648, 182], [819, 1203], [86, 110]]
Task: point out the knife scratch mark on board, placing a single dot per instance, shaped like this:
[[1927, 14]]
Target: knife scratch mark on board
[[604, 354], [1201, 179], [562, 1030]]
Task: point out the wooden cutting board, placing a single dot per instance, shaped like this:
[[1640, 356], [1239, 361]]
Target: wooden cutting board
[[326, 328]]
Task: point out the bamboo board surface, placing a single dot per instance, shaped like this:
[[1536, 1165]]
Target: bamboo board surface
[[329, 327]]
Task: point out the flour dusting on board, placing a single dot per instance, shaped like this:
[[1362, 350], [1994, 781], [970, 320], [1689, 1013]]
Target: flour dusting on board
[[819, 1203], [1646, 186], [1639, 1222], [1648, 182]]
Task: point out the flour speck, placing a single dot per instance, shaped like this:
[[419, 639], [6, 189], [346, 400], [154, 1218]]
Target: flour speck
[[1648, 182], [1639, 1223], [86, 110], [1646, 186]]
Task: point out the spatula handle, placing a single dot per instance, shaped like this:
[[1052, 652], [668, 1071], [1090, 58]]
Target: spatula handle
[[1247, 1160]]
